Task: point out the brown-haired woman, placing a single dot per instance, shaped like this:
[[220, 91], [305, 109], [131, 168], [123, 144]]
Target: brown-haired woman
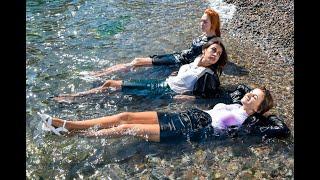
[[199, 78], [192, 124]]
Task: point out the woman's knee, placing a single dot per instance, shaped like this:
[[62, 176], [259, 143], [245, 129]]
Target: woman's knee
[[112, 83], [107, 83], [125, 117], [136, 61]]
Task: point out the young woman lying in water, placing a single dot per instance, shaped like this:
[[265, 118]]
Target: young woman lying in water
[[210, 26], [244, 114], [200, 78]]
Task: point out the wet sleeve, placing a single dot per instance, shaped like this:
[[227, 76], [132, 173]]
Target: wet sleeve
[[165, 59], [240, 91], [188, 56], [184, 57], [275, 127], [267, 127], [206, 86]]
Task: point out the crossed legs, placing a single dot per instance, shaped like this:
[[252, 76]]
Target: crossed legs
[[140, 124]]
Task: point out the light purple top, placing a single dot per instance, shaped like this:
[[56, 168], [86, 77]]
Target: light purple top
[[224, 115]]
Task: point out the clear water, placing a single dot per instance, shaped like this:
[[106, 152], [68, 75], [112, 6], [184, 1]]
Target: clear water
[[65, 38]]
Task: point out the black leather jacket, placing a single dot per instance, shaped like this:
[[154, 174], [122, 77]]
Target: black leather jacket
[[184, 57], [188, 56], [258, 125], [207, 86]]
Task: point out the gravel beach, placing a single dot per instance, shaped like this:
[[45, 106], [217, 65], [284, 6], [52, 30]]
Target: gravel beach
[[260, 41], [268, 23], [260, 44]]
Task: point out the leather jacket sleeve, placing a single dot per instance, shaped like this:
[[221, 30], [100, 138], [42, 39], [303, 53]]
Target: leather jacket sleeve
[[185, 56], [165, 59], [188, 56], [206, 86], [240, 91], [267, 127], [257, 125], [271, 126]]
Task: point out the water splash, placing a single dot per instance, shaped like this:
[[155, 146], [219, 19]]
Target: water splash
[[225, 10]]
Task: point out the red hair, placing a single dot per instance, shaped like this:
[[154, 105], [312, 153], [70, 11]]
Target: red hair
[[215, 20]]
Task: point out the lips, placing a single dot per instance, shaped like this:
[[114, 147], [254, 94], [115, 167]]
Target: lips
[[213, 58]]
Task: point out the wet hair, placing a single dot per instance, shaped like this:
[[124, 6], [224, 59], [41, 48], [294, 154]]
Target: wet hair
[[215, 20], [267, 102], [223, 59]]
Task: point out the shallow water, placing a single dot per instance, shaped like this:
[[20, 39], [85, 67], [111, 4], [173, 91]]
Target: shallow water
[[65, 38]]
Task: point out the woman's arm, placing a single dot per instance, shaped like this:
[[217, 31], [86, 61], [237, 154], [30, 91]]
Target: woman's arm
[[267, 127], [188, 56], [275, 127], [240, 91]]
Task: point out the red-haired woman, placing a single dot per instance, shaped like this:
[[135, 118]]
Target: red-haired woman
[[210, 26]]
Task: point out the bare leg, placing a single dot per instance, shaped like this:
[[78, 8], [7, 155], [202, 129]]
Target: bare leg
[[109, 83], [150, 132], [124, 67], [117, 68], [148, 117]]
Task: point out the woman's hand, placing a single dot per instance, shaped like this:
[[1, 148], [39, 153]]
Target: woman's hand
[[141, 62]]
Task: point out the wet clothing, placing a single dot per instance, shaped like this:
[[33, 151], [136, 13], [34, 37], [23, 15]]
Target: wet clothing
[[226, 115], [189, 123], [183, 125], [146, 87], [198, 125], [191, 79], [187, 77], [184, 57]]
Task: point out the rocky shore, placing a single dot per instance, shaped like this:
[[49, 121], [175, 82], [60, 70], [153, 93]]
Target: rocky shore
[[260, 43], [269, 23]]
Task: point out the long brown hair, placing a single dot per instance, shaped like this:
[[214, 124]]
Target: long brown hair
[[215, 20]]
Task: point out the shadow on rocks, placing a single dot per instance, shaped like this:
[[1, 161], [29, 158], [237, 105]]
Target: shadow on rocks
[[235, 70]]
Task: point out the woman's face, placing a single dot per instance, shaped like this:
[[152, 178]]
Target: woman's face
[[253, 99], [211, 54], [205, 23]]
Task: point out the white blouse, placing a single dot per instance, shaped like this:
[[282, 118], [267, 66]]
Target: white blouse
[[187, 76]]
